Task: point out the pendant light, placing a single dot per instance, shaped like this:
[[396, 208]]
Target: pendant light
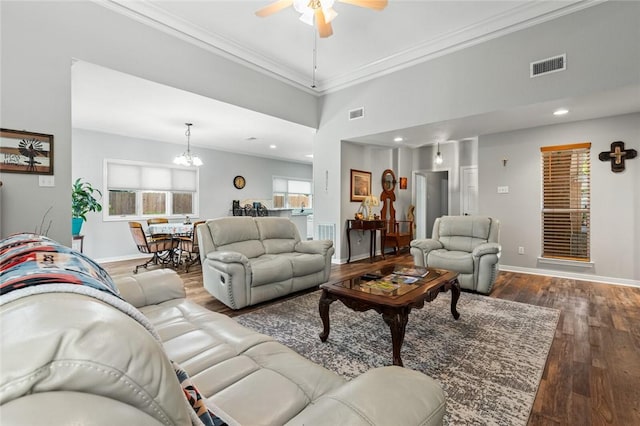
[[186, 159], [438, 155]]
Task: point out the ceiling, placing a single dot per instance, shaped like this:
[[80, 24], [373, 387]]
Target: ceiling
[[365, 44]]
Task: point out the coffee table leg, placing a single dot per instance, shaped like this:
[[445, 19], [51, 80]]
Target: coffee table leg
[[455, 295], [397, 322], [323, 307]]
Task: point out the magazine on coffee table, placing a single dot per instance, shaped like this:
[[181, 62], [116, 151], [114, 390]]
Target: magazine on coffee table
[[388, 283], [411, 271]]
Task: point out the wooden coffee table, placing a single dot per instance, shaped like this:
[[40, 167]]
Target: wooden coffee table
[[394, 300]]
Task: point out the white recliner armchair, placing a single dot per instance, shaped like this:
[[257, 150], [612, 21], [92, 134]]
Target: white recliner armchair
[[468, 245]]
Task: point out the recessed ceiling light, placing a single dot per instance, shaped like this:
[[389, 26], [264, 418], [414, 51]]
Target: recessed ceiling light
[[251, 138], [398, 139], [272, 146], [561, 111], [309, 155]]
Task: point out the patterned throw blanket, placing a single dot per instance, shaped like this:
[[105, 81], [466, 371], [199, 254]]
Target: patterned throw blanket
[[33, 264]]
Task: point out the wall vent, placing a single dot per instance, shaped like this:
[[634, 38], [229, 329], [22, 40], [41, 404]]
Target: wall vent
[[354, 114], [549, 65], [327, 231]]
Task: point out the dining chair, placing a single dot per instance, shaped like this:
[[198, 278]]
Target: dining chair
[[191, 248], [163, 249], [158, 220]]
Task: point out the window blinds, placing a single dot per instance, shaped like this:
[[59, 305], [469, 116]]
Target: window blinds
[[566, 192], [144, 177]]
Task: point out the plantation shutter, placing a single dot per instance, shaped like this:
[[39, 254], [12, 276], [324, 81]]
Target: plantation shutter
[[566, 192]]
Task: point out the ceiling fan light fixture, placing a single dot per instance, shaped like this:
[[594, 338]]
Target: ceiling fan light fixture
[[307, 17], [307, 9], [329, 14]]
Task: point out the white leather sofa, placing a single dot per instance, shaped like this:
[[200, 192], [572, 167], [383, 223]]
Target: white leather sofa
[[469, 245], [248, 260], [71, 358]]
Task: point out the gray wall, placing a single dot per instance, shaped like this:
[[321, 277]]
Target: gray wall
[[39, 42], [109, 240], [615, 217], [488, 77]]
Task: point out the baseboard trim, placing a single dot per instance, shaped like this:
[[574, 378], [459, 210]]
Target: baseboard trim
[[571, 275], [122, 258]]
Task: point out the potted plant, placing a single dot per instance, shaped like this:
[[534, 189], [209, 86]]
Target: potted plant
[[83, 201]]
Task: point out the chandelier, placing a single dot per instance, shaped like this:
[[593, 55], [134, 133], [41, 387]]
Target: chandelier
[[186, 159]]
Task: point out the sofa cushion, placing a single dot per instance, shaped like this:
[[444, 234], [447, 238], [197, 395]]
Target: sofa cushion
[[236, 234], [459, 261], [270, 269], [278, 234], [305, 264]]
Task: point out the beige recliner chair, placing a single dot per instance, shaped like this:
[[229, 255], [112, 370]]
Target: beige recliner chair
[[468, 245]]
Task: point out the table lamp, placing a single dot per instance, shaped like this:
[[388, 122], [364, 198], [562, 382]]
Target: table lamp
[[370, 201]]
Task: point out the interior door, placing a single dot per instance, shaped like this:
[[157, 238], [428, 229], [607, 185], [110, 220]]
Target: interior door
[[432, 200], [469, 190]]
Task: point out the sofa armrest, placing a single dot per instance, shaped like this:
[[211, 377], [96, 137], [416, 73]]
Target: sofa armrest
[[381, 396], [228, 257], [486, 248], [427, 244], [151, 288], [314, 246]]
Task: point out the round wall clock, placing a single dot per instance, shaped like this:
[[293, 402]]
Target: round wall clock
[[239, 182]]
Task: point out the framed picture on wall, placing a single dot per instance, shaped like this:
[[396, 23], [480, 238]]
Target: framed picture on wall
[[26, 152], [360, 184]]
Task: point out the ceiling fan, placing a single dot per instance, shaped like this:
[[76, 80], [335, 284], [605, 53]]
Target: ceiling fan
[[321, 10]]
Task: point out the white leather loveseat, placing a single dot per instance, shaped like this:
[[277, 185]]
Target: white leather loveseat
[[247, 260], [70, 358]]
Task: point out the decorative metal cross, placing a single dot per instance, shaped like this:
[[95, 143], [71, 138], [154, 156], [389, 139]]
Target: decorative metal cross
[[617, 156]]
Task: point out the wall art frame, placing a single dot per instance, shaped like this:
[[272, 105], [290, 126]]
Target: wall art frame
[[26, 152], [360, 185]]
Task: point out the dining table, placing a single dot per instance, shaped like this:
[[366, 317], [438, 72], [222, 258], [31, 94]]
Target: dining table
[[173, 229], [179, 231]]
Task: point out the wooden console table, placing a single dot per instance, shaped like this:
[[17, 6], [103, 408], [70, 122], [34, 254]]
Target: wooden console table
[[367, 225]]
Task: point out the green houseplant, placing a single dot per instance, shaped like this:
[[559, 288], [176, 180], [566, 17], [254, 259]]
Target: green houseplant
[[83, 201]]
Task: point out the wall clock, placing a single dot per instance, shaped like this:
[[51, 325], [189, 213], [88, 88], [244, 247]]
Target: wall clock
[[239, 182]]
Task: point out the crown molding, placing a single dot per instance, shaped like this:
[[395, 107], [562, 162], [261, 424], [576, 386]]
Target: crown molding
[[148, 14], [524, 16], [520, 17]]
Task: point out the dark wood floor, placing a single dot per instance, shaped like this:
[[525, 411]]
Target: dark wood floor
[[592, 375]]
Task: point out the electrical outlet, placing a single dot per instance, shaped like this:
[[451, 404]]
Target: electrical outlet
[[520, 250]]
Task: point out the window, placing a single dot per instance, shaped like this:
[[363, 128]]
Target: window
[[566, 221], [138, 190], [291, 193]]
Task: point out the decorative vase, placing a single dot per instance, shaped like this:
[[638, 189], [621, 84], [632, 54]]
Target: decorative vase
[[76, 225]]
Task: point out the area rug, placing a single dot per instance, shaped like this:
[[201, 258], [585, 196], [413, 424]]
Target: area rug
[[489, 362]]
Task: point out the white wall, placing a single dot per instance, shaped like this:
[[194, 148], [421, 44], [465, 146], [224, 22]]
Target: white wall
[[39, 41], [491, 76], [108, 240], [615, 217]]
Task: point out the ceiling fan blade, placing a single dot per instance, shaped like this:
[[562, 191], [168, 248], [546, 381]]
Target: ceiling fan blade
[[324, 28], [369, 4], [274, 7]]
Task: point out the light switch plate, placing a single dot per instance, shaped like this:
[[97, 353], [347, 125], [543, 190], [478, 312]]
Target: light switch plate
[[46, 180], [503, 190]]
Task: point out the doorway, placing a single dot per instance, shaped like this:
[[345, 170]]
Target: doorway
[[432, 200]]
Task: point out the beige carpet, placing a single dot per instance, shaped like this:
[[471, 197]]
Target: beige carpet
[[489, 362]]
